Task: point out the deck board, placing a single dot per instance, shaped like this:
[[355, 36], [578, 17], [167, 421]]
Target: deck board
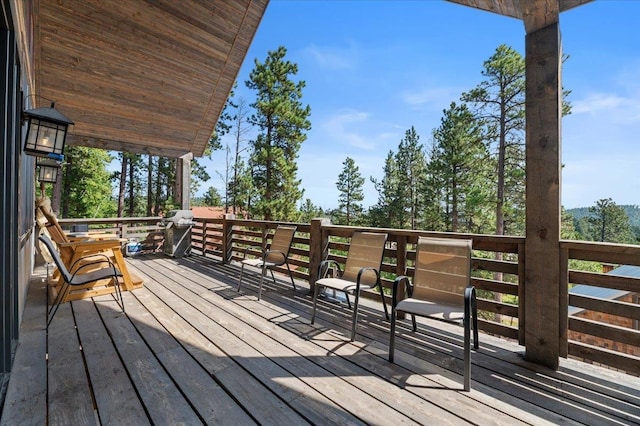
[[191, 349]]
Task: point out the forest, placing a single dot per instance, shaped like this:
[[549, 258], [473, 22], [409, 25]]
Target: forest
[[469, 177]]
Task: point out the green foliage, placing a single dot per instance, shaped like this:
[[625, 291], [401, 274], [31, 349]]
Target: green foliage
[[498, 104], [609, 222], [86, 184], [212, 198], [412, 176], [350, 184], [309, 211], [389, 211], [460, 167], [282, 121]]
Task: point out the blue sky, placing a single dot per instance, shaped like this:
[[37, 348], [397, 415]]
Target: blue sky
[[373, 69]]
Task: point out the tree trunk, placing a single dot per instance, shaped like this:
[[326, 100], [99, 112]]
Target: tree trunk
[[150, 186], [123, 185], [131, 189]]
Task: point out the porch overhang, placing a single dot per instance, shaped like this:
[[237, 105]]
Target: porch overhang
[[147, 77]]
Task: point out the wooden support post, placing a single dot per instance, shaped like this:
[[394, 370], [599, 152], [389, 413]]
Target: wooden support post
[[183, 181], [543, 149], [317, 249]]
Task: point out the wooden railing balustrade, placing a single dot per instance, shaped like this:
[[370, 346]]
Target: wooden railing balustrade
[[228, 238], [605, 331], [601, 330], [146, 230]]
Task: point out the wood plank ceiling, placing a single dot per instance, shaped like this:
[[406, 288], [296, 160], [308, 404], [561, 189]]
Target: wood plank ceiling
[[141, 76]]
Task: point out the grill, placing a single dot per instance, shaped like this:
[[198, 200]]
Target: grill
[[177, 232]]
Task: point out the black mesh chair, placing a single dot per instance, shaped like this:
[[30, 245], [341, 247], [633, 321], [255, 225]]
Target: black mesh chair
[[94, 273]]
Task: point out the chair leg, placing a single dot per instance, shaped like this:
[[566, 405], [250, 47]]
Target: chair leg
[[355, 316], [264, 271], [291, 276], [392, 334], [384, 302], [315, 302], [119, 298], [474, 312], [56, 303], [467, 344], [240, 279]]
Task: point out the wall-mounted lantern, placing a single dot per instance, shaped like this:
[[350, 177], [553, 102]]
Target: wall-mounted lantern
[[49, 170], [47, 132]]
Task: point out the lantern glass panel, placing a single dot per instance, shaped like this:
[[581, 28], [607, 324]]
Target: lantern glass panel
[[48, 174], [45, 137]]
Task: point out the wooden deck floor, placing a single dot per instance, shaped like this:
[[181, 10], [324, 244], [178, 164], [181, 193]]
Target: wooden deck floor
[[192, 350]]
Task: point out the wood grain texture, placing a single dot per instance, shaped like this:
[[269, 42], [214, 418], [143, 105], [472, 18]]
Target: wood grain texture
[[143, 76]]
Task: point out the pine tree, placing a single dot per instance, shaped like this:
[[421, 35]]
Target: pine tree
[[350, 184], [389, 211], [610, 223], [282, 121], [459, 167], [499, 104], [86, 184], [412, 169]]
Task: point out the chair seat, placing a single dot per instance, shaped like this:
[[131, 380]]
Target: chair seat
[[340, 284], [258, 263], [96, 275], [426, 308]]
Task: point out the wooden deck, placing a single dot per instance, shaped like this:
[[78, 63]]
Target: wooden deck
[[191, 350]]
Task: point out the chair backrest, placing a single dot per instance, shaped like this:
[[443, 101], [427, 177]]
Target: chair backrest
[[281, 242], [53, 226], [365, 251], [442, 270], [56, 257]]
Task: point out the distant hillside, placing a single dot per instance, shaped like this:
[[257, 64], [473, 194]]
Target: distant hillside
[[633, 212]]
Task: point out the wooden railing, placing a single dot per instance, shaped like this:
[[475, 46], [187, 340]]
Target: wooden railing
[[317, 241], [600, 330], [146, 230], [601, 327]]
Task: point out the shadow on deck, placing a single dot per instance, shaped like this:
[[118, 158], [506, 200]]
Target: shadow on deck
[[190, 349]]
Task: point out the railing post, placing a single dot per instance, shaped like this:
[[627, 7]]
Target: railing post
[[564, 301], [123, 231], [318, 243], [227, 237]]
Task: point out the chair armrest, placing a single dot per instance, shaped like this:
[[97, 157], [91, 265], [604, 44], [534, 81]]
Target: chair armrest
[[362, 271], [396, 284], [94, 244], [469, 293], [325, 264], [116, 272]]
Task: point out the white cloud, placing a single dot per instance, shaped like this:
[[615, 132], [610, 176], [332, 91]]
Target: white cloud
[[333, 58], [438, 96], [342, 129], [624, 110]]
